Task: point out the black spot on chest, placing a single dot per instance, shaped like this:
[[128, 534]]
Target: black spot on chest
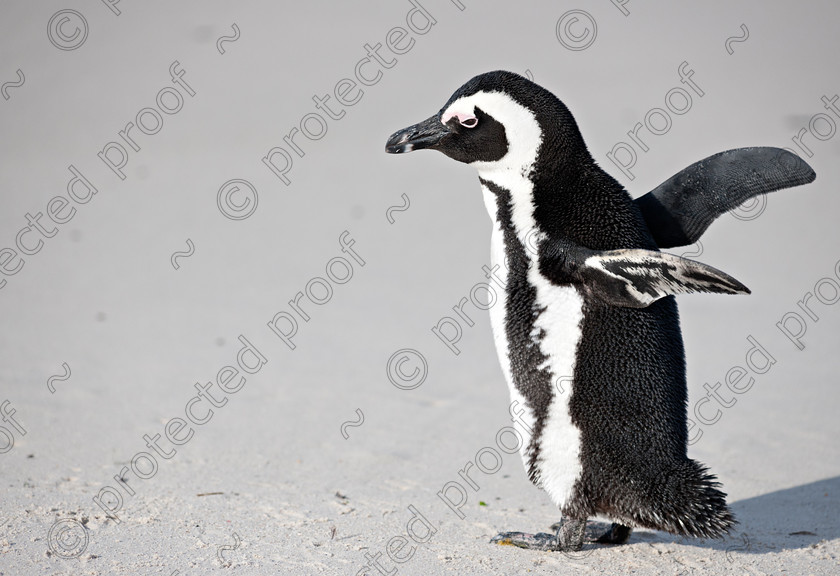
[[521, 312]]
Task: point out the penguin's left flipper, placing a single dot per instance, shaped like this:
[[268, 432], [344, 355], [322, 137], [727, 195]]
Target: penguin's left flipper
[[632, 278], [679, 210]]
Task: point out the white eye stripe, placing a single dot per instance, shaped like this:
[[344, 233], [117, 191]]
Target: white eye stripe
[[464, 119]]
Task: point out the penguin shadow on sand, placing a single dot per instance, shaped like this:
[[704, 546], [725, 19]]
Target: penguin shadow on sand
[[789, 519]]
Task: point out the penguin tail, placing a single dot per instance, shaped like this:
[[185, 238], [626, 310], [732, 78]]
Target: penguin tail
[[686, 500]]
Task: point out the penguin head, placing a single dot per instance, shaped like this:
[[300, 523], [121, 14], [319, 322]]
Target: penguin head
[[496, 121]]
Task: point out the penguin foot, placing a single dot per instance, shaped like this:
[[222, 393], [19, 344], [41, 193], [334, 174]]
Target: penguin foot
[[539, 541], [617, 534], [569, 538]]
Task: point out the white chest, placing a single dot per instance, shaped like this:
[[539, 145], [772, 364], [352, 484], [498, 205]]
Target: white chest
[[558, 311]]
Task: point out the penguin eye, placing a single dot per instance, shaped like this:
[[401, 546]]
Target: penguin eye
[[465, 120]]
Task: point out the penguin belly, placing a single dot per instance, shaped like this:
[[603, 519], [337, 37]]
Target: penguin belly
[[536, 327], [557, 333]]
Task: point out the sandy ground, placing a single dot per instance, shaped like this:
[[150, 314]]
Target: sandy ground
[[329, 457]]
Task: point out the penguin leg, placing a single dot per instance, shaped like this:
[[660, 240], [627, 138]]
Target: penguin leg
[[569, 537], [617, 534]]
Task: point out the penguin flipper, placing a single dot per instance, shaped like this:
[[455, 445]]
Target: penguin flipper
[[679, 210], [633, 278]]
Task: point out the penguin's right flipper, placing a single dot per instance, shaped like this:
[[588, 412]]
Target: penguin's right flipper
[[637, 278], [632, 278], [679, 210]]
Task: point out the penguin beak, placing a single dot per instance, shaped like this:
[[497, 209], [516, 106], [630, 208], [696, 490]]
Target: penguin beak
[[426, 134]]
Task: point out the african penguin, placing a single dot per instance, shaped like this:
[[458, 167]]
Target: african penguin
[[589, 300]]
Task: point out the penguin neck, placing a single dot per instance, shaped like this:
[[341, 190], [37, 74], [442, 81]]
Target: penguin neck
[[548, 198], [511, 190]]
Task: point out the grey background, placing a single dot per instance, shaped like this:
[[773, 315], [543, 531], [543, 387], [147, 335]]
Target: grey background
[[103, 296]]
